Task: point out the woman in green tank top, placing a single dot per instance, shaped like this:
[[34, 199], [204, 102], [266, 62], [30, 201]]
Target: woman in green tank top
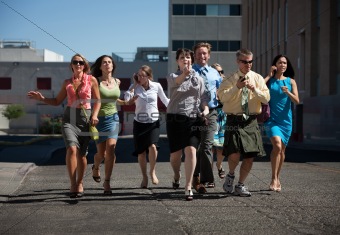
[[108, 125]]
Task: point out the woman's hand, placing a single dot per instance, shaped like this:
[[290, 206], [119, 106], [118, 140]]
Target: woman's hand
[[36, 95], [94, 120], [186, 70], [131, 101], [272, 71]]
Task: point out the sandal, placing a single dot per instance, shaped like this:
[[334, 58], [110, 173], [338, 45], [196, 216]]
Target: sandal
[[221, 173], [175, 184], [196, 183], [95, 178], [210, 185], [189, 196], [73, 192], [201, 189], [107, 190]]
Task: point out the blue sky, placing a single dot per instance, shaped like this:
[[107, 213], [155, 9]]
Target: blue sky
[[91, 28]]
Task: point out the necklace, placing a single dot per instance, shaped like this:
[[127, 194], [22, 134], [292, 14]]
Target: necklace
[[108, 82]]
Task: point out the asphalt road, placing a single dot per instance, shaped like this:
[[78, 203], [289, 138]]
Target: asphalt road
[[308, 204]]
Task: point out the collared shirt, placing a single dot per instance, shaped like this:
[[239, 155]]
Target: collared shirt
[[146, 104], [231, 96], [187, 97], [212, 80]]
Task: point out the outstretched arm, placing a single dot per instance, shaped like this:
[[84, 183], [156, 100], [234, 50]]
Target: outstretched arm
[[36, 95]]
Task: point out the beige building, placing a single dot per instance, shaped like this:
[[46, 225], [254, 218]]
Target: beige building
[[215, 21], [307, 31]]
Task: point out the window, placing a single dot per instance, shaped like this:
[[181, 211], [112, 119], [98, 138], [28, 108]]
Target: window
[[177, 9], [44, 83], [235, 10], [176, 44], [213, 45], [5, 83], [200, 10], [189, 44], [223, 10], [216, 45], [223, 45], [189, 9], [212, 10], [209, 10]]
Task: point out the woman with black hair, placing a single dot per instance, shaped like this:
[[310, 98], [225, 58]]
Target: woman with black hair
[[283, 91], [108, 126]]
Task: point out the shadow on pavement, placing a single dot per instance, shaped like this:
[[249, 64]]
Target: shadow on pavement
[[54, 148]]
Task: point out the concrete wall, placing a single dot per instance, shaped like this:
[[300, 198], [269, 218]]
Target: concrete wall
[[24, 78]]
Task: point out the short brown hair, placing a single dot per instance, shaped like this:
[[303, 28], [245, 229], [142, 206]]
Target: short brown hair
[[202, 44]]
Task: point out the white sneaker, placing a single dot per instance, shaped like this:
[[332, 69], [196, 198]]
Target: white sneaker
[[228, 183], [242, 191]]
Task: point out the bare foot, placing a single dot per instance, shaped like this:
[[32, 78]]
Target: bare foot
[[272, 185], [154, 178]]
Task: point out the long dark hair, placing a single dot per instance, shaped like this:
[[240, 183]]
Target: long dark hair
[[95, 68], [290, 70]]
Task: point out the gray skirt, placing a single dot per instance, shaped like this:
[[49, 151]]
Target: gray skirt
[[75, 129], [243, 136]]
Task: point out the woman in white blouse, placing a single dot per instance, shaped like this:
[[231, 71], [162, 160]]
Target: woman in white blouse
[[144, 93]]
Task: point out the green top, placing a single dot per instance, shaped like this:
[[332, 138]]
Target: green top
[[108, 100]]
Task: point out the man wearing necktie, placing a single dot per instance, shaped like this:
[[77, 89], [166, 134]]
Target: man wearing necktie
[[241, 95], [203, 175]]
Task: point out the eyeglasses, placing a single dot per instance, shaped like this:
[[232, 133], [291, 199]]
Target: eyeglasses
[[76, 62], [246, 62], [220, 71], [142, 76]]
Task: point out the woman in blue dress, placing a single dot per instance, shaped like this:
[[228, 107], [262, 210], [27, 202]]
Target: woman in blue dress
[[283, 91]]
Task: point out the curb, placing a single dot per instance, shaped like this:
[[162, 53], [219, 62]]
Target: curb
[[12, 177]]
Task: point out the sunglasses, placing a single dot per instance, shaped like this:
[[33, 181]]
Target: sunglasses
[[246, 62], [220, 71], [76, 62]]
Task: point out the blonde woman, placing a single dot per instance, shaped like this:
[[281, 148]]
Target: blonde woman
[[80, 90]]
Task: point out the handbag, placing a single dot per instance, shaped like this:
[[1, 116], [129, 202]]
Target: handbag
[[94, 134], [265, 113]]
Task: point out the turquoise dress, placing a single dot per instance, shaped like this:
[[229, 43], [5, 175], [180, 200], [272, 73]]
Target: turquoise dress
[[280, 121]]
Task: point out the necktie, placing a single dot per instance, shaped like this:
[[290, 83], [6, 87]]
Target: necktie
[[244, 102], [206, 85]]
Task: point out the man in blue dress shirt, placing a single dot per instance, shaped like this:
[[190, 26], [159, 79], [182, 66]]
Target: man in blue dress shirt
[[203, 175]]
